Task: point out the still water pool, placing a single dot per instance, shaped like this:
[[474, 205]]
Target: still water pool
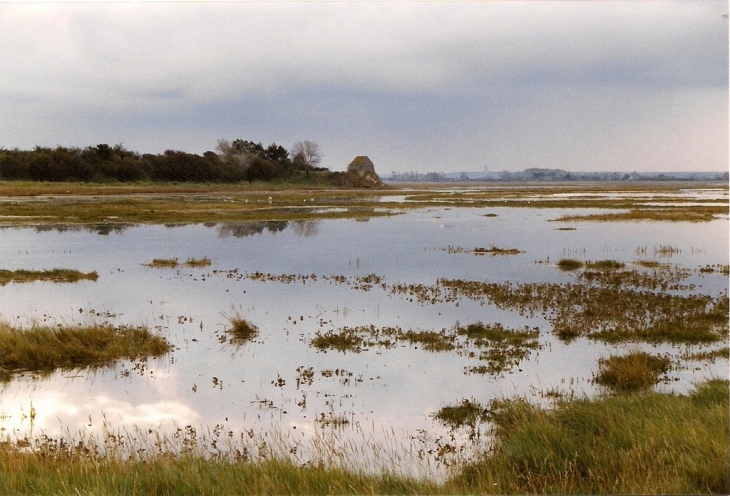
[[279, 380]]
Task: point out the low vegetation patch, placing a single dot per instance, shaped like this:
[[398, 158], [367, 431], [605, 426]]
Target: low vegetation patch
[[569, 264], [496, 251], [468, 412], [163, 263], [52, 275], [198, 262], [45, 349], [632, 372], [672, 214]]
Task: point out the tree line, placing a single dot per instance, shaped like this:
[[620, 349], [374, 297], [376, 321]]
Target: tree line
[[235, 161]]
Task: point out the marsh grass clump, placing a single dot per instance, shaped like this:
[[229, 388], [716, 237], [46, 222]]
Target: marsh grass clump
[[569, 264], [45, 349], [615, 444], [496, 251], [468, 412], [163, 263], [502, 348], [430, 340], [241, 330], [632, 372], [346, 339], [197, 262], [52, 275]]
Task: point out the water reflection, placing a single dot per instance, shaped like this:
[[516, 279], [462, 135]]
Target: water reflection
[[304, 228]]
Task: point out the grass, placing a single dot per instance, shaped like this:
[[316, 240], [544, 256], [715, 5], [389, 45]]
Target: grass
[[468, 412], [78, 203], [611, 306], [672, 214], [53, 275], [642, 443], [241, 330], [45, 349], [632, 372], [163, 263], [568, 264], [198, 262], [647, 443], [496, 251]]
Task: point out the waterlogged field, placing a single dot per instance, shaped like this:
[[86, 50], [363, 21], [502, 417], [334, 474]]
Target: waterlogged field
[[378, 340]]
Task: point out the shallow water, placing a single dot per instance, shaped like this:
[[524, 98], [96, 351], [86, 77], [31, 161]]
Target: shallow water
[[207, 380]]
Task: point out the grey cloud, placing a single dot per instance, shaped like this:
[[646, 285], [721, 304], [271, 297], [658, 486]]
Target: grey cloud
[[428, 85]]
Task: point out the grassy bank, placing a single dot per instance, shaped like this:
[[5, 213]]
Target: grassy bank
[[632, 444], [44, 349], [637, 443]]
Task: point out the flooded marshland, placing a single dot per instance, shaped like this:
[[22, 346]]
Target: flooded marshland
[[364, 329]]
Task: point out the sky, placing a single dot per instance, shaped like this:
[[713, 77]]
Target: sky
[[416, 86]]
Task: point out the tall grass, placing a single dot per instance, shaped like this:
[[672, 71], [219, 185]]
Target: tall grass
[[638, 444]]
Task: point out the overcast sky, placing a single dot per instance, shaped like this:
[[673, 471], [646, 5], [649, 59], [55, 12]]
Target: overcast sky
[[427, 86]]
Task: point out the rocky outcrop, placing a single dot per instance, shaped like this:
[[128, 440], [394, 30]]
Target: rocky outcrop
[[361, 172]]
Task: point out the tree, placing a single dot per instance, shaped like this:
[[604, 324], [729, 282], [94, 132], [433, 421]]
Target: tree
[[309, 151]]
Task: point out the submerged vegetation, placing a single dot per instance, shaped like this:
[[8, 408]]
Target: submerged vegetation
[[44, 349], [52, 275], [501, 348]]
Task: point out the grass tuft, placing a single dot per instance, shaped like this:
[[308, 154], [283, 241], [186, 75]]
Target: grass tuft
[[633, 372], [569, 264], [241, 330]]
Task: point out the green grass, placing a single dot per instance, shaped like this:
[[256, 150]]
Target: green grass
[[631, 372], [45, 349], [468, 412], [53, 275], [627, 444]]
